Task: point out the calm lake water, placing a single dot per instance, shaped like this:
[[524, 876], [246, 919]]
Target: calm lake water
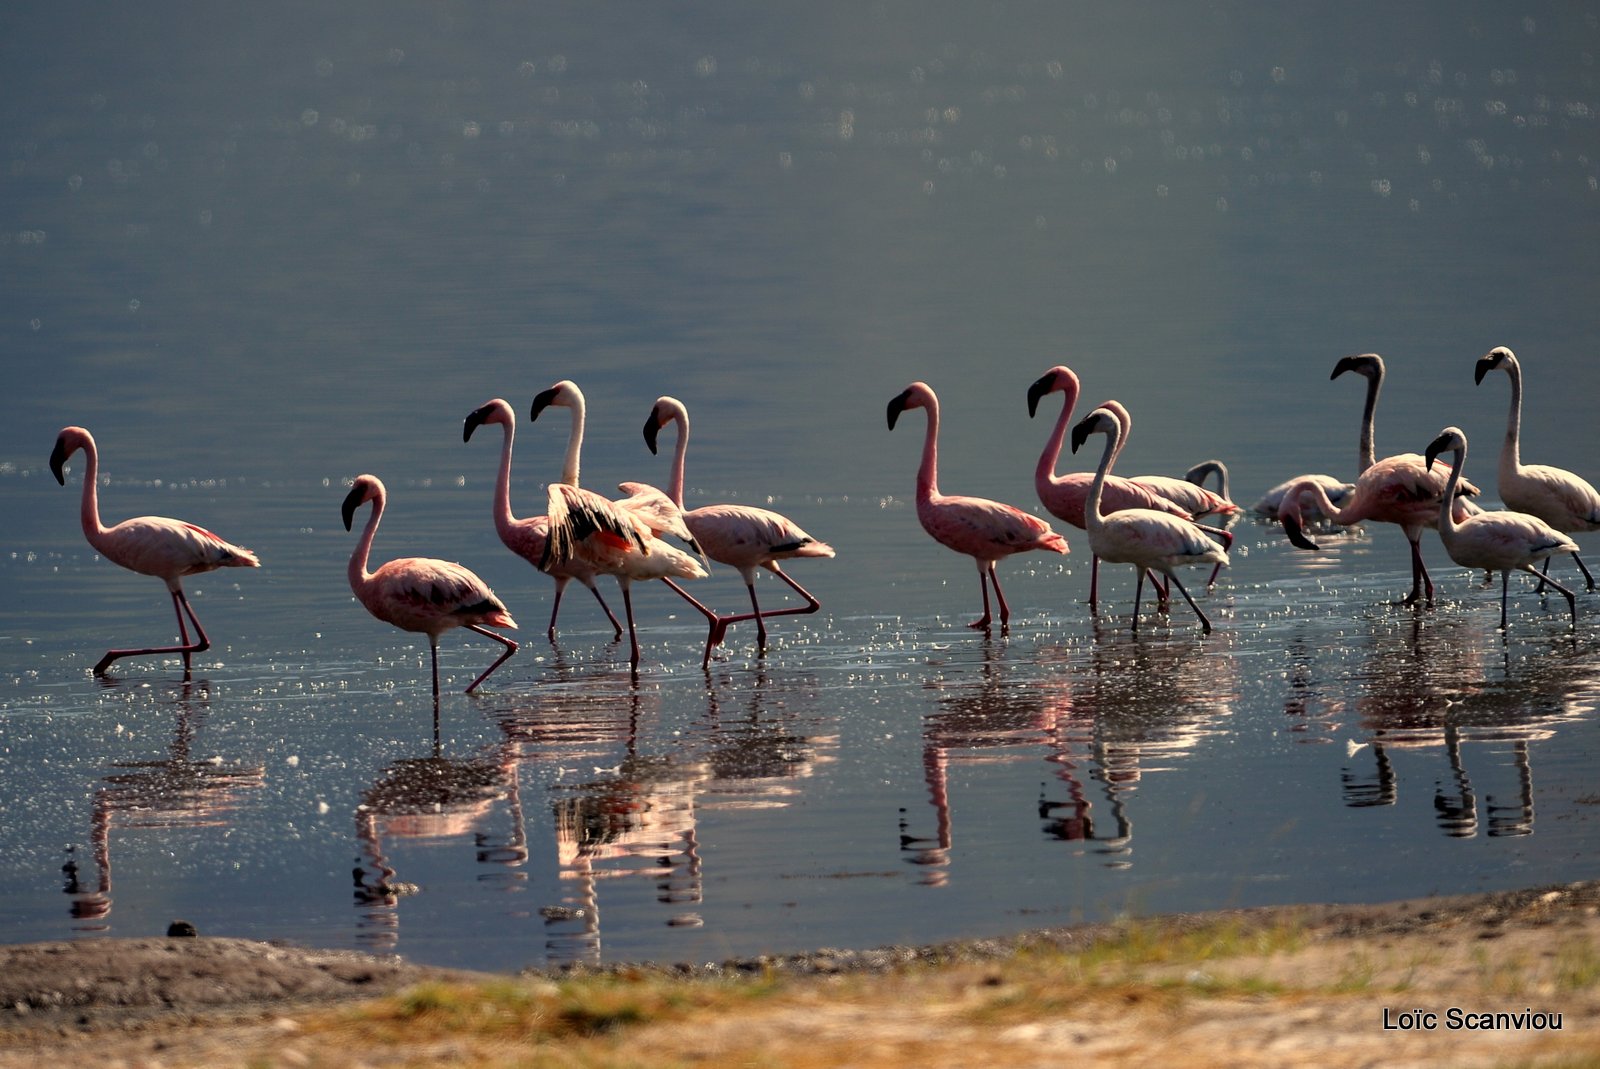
[[259, 253]]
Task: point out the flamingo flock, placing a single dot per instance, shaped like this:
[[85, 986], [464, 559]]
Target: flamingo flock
[[1155, 523]]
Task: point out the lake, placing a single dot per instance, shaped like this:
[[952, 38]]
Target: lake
[[260, 252]]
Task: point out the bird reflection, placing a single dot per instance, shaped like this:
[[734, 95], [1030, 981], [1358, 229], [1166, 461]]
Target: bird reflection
[[430, 799], [759, 760], [176, 792]]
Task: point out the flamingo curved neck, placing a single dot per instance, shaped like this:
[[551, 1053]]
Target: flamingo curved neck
[[569, 470], [504, 521], [1368, 445], [1044, 474], [359, 576], [928, 470], [675, 483], [89, 508], [1447, 519], [1092, 519], [1510, 451]]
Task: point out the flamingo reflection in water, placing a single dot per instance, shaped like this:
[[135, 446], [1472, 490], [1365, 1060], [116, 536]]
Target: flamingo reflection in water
[[425, 800], [178, 792]]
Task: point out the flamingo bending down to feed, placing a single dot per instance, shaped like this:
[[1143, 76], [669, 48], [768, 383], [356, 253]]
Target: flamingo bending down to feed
[[741, 536], [1147, 539], [1559, 497], [150, 545], [419, 593], [526, 536], [984, 530], [618, 538], [1497, 541], [1065, 496], [1337, 491]]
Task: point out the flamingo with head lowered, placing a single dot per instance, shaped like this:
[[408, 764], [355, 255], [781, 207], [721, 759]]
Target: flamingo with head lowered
[[526, 536], [150, 545], [1145, 538], [421, 594], [1496, 541], [1559, 497], [741, 536], [987, 531]]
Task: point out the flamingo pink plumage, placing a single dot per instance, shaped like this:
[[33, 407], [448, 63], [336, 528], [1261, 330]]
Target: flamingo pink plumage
[[615, 538], [983, 529], [1496, 541], [420, 594], [1067, 496], [741, 536], [150, 545], [1188, 495], [1560, 498], [526, 536], [1145, 538]]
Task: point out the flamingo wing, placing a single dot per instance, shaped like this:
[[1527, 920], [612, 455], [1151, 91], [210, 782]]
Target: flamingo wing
[[1556, 495], [423, 594], [988, 530]]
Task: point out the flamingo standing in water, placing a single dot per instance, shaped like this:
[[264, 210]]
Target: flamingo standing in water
[[618, 538], [419, 593], [150, 545], [1145, 538], [1559, 497], [526, 537], [1066, 496], [984, 530], [741, 536], [1496, 541]]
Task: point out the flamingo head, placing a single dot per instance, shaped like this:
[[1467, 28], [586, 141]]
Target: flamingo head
[[1449, 439], [366, 488], [1100, 421], [564, 393], [665, 411], [917, 395], [1058, 379], [496, 411], [1368, 364], [1289, 514], [68, 442], [1497, 359], [1204, 470]]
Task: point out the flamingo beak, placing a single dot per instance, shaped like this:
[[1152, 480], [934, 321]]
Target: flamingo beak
[[1043, 385], [1435, 447], [652, 428], [352, 501], [543, 400], [1347, 363], [1485, 365], [1296, 534], [475, 419], [1081, 432], [897, 406], [58, 458]]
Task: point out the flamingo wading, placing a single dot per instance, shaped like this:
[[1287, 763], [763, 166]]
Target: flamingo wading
[[1497, 541], [526, 536], [421, 594], [984, 530], [150, 545], [741, 536]]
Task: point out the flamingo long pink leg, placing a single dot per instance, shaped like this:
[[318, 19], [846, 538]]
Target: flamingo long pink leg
[[1420, 579], [511, 647], [714, 634], [180, 605], [811, 606], [1205, 621]]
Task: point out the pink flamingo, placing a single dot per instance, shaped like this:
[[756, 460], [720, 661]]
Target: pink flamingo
[[984, 530], [615, 538], [1067, 496], [526, 537], [150, 545], [1559, 497], [1145, 538], [1337, 491], [421, 594], [1188, 495], [741, 536], [1496, 541]]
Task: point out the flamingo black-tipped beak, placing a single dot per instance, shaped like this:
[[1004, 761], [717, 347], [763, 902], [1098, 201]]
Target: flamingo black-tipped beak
[[1347, 363], [897, 406], [1041, 386], [58, 458], [543, 400], [475, 419], [652, 428], [352, 501], [1296, 534], [1485, 365], [1081, 431], [1435, 447]]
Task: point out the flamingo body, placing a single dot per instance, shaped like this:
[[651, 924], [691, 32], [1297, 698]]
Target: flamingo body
[[987, 531], [421, 594], [1335, 490], [157, 546]]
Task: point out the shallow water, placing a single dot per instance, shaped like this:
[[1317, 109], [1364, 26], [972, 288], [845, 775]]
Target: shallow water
[[259, 263]]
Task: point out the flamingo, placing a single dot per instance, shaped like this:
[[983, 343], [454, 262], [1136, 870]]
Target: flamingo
[[150, 545], [740, 536], [1496, 541], [1065, 496], [1207, 468], [1188, 495], [1145, 538], [1557, 496], [1336, 490], [984, 530], [419, 593], [526, 537], [615, 538]]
